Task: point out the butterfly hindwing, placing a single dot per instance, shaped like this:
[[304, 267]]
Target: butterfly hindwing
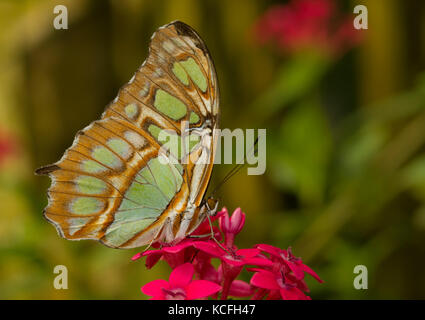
[[117, 183]]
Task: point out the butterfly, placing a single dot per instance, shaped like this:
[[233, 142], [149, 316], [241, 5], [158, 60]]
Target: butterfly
[[122, 185]]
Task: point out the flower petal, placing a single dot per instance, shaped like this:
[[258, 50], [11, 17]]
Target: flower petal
[[232, 261], [261, 262], [240, 288], [152, 259], [210, 247], [248, 253], [310, 271], [154, 288], [292, 294], [200, 289], [297, 270], [179, 247], [181, 276], [149, 252], [224, 221], [219, 214], [269, 249], [264, 279], [137, 256], [208, 272], [237, 221]]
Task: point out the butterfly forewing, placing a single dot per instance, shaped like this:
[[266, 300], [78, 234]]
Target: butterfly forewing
[[119, 182]]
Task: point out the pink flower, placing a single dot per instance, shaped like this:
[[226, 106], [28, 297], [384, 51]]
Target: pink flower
[[180, 286], [276, 282], [238, 288], [233, 257], [278, 274], [183, 251], [232, 262], [231, 226], [302, 24], [286, 258], [174, 255], [285, 279]]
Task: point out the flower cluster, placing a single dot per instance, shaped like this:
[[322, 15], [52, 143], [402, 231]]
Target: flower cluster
[[302, 24], [277, 273]]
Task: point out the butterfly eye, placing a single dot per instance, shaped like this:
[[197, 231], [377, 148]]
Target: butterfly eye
[[212, 204]]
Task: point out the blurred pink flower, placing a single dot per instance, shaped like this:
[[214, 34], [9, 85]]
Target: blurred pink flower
[[307, 24], [8, 146], [180, 286]]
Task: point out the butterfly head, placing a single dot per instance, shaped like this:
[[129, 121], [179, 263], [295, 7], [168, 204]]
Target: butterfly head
[[209, 207]]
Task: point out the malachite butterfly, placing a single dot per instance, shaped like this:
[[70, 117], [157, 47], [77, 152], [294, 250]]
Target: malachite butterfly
[[114, 184]]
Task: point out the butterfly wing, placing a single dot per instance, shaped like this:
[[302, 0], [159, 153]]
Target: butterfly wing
[[120, 182]]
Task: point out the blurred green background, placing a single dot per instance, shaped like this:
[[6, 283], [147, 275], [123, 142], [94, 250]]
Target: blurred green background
[[345, 119]]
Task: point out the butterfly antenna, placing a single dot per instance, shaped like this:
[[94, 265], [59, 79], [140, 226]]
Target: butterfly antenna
[[234, 170]]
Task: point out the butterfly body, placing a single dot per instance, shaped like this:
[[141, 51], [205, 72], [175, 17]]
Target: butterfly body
[[119, 183]]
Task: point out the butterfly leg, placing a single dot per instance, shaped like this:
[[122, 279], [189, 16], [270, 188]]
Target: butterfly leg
[[197, 236], [211, 236], [149, 245], [153, 241]]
